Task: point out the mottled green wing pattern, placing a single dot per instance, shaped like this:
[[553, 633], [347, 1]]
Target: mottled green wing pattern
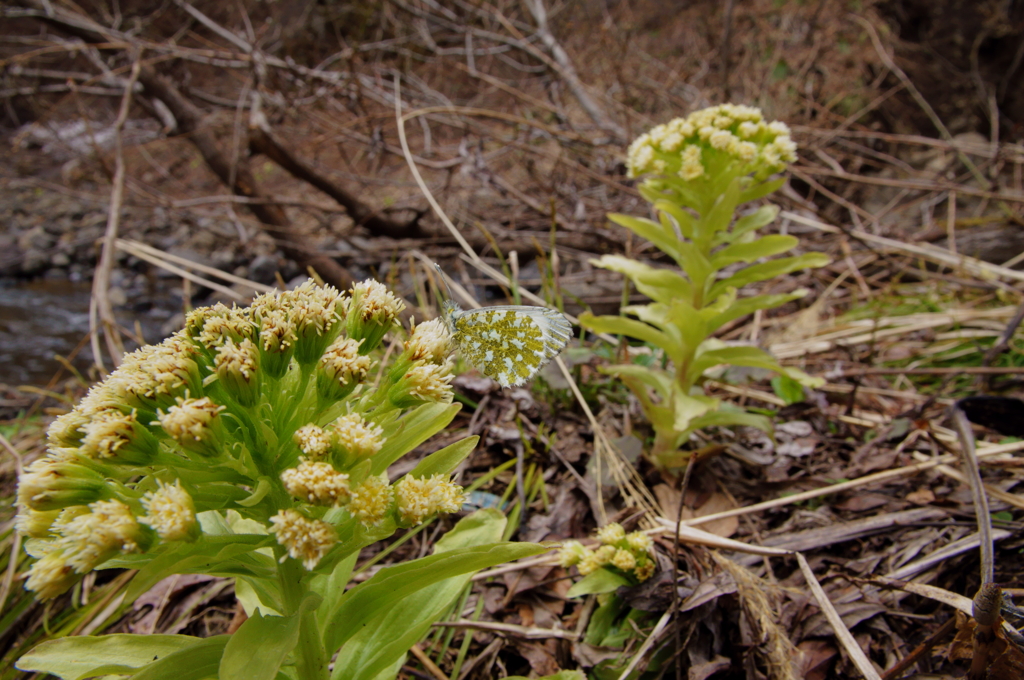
[[511, 343]]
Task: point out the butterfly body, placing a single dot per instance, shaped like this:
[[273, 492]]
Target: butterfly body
[[507, 343]]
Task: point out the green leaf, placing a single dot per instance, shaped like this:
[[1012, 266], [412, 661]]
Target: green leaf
[[687, 225], [755, 250], [657, 380], [766, 214], [733, 356], [603, 619], [749, 305], [694, 261], [214, 555], [332, 586], [388, 586], [657, 234], [396, 625], [761, 190], [77, 657], [720, 216], [787, 389], [445, 460], [263, 487], [620, 325], [598, 582], [413, 429], [729, 417], [768, 270], [661, 285], [262, 643], [257, 594], [198, 662], [687, 408]]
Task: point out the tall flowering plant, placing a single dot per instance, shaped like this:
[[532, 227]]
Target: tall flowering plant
[[698, 171], [255, 444]]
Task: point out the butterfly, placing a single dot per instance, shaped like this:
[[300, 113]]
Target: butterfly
[[508, 343]]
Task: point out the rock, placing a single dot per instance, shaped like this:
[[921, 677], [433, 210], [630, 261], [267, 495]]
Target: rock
[[263, 268], [117, 296], [33, 262], [60, 260], [35, 238], [10, 255]]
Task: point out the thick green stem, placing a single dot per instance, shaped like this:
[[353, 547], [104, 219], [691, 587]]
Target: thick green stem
[[310, 656]]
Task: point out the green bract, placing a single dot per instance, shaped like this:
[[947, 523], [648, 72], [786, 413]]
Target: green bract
[[699, 170], [255, 445]]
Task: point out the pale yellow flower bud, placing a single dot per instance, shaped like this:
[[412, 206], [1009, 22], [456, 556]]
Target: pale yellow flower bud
[[644, 571], [341, 369], [34, 523], [639, 542], [170, 512], [193, 424], [371, 500], [430, 341], [419, 498], [305, 539], [572, 553], [112, 434], [316, 483], [611, 533], [92, 537], [313, 441], [624, 560], [50, 576], [372, 312], [237, 370], [423, 383], [357, 437]]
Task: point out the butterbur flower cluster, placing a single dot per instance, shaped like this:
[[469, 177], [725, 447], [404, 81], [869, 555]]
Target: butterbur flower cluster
[[628, 554], [711, 141], [279, 413]]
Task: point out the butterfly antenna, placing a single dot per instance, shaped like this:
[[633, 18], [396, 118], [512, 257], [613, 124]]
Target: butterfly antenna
[[451, 296]]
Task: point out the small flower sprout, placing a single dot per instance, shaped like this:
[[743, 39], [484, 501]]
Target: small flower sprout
[[626, 554], [278, 415]]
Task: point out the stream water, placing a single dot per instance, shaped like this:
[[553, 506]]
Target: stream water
[[48, 317]]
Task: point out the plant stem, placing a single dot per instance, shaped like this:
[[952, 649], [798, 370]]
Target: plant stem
[[310, 655]]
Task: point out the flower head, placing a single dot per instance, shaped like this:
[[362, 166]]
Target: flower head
[[572, 553], [371, 500], [65, 430], [34, 523], [50, 576], [341, 368], [170, 512], [113, 434], [88, 538], [371, 313], [193, 424], [305, 539], [313, 441], [313, 309], [237, 370], [355, 437], [430, 341], [611, 533], [316, 483], [419, 498], [422, 383], [49, 484]]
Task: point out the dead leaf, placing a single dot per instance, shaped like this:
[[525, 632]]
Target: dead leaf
[[921, 497]]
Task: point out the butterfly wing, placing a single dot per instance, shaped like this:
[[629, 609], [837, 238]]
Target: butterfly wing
[[510, 343]]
